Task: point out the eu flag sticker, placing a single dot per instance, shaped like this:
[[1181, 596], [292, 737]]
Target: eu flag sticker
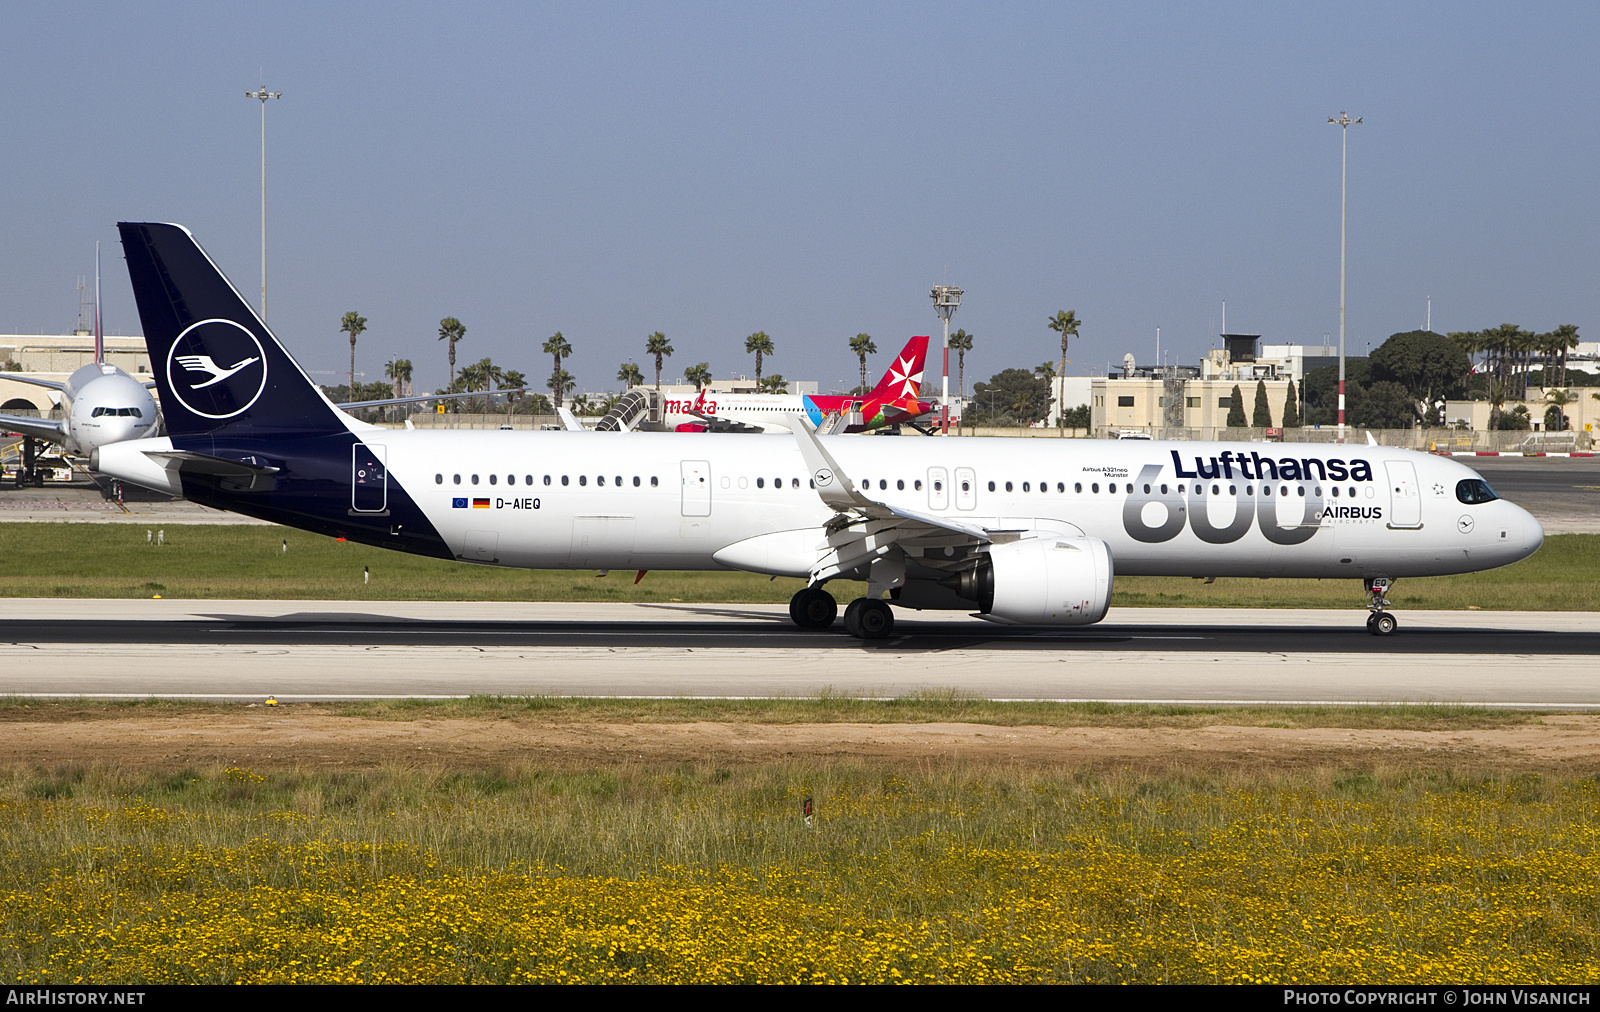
[[458, 504]]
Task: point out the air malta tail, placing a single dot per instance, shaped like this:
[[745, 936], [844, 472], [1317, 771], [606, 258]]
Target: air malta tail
[[895, 399], [241, 415]]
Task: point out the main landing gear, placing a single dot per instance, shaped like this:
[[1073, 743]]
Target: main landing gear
[[813, 608], [1380, 622], [865, 618]]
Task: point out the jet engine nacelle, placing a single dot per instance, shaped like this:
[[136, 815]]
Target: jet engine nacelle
[[1048, 580], [129, 461]]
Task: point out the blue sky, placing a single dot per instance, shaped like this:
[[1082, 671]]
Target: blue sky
[[709, 170]]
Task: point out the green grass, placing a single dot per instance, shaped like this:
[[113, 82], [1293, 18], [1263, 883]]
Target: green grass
[[825, 709], [113, 560]]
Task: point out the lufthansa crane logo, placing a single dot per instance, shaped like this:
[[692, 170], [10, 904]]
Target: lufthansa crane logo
[[823, 477], [216, 369]]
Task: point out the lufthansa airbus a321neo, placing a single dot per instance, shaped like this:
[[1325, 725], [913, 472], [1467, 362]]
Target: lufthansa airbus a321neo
[[1023, 531]]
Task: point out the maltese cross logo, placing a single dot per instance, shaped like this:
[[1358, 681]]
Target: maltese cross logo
[[901, 373]]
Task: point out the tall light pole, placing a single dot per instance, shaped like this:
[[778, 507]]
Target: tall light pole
[[263, 94], [1344, 122], [946, 300]]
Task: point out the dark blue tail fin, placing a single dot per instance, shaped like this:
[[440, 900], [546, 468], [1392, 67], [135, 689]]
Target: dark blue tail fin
[[218, 368]]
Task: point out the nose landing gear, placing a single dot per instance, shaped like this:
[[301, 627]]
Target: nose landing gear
[[1380, 622]]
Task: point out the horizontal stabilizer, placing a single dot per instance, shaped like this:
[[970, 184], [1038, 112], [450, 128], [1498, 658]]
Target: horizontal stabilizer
[[217, 467]]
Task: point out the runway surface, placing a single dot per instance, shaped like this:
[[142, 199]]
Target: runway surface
[[332, 650]]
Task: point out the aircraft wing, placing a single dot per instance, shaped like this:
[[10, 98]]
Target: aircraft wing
[[865, 531], [39, 428], [36, 381], [427, 397]]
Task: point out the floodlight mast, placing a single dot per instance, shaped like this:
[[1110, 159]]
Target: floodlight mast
[[263, 94], [946, 300], [1344, 121]]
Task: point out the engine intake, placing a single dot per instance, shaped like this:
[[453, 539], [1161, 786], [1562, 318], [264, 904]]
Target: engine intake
[[1047, 580]]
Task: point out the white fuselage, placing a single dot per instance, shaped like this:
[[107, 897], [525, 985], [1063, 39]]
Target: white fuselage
[[103, 404], [670, 501], [769, 411]]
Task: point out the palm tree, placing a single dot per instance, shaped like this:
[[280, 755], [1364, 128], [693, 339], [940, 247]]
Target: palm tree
[[1565, 339], [558, 347], [451, 330], [1065, 323], [399, 372], [961, 341], [774, 384], [561, 382], [699, 374], [759, 344], [658, 345], [862, 345], [630, 376], [354, 323], [514, 381]]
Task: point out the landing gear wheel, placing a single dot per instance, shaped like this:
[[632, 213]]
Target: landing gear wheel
[[1383, 624], [813, 608], [869, 619], [852, 617], [1371, 619]]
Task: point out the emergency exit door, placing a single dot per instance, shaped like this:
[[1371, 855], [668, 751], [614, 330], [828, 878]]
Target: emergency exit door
[[1405, 498], [696, 488], [369, 479]]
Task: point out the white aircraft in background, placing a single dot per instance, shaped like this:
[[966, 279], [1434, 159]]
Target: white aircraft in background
[[100, 403], [1022, 531], [895, 400]]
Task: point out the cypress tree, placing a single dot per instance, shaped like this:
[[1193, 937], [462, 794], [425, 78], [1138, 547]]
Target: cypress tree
[[1291, 409], [1236, 410], [1261, 417]]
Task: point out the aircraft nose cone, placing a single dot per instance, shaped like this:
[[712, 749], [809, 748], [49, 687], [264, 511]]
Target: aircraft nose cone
[[1532, 532]]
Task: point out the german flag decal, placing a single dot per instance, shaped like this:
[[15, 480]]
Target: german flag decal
[[480, 504]]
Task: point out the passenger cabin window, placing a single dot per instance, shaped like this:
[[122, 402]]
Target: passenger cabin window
[[583, 479], [1008, 486], [635, 481], [474, 479], [457, 479], [494, 479], [654, 481], [438, 479], [563, 479], [547, 480]]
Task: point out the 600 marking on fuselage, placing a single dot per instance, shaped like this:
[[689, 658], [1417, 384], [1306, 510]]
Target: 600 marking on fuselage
[[1193, 507]]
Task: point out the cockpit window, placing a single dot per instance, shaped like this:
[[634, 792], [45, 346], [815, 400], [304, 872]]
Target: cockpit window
[[1474, 490]]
